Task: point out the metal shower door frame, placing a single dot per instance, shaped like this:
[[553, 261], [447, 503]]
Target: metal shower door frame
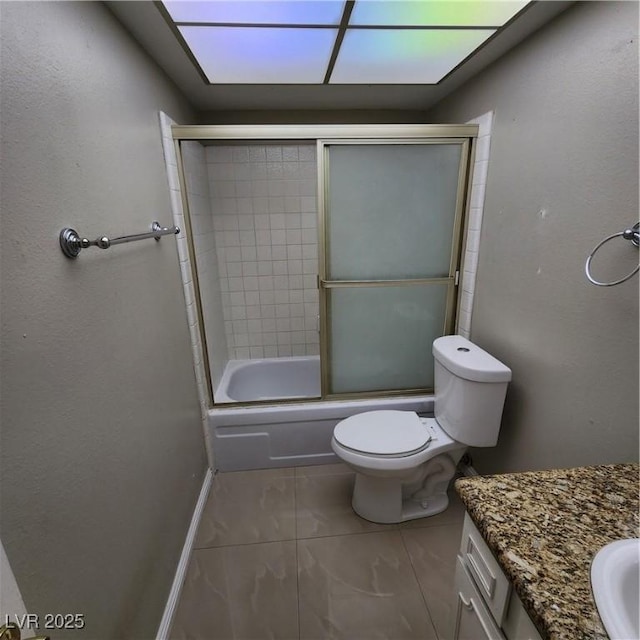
[[325, 285], [464, 134]]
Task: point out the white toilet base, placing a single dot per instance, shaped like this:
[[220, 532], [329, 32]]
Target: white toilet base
[[390, 508], [388, 500]]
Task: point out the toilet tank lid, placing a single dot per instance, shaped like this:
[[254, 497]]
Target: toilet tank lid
[[469, 361]]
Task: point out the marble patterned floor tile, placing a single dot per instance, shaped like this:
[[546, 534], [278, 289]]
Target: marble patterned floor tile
[[242, 592], [360, 587], [453, 515], [249, 506], [433, 551], [322, 470], [323, 506]]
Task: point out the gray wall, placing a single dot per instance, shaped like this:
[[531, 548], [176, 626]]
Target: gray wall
[[102, 447], [563, 173], [300, 116]]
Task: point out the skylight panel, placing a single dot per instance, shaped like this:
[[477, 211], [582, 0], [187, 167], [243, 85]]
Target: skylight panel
[[251, 55], [454, 13], [323, 12], [397, 56], [334, 41]]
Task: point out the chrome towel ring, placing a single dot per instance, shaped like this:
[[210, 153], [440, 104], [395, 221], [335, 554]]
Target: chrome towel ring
[[628, 234]]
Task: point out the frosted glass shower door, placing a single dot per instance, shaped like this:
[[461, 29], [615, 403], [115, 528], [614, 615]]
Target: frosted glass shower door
[[392, 219]]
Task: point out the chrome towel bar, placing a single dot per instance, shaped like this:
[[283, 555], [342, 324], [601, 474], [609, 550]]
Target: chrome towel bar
[[632, 234], [71, 243]]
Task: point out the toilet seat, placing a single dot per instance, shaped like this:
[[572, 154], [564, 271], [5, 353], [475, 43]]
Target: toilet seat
[[435, 443], [384, 433]]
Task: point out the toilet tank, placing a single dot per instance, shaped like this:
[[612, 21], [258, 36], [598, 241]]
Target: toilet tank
[[470, 387]]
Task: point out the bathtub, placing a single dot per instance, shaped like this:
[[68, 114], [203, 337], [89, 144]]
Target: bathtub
[[270, 379], [289, 434]]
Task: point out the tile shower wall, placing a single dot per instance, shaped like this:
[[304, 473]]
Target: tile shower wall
[[197, 185], [264, 209], [476, 208], [171, 164]]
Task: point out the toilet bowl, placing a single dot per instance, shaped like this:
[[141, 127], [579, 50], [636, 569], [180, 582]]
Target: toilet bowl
[[404, 462]]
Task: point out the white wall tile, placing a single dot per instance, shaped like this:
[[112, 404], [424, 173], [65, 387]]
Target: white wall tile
[[252, 298], [260, 222], [249, 253], [277, 220], [477, 195], [218, 154], [250, 269], [262, 199], [482, 148], [293, 221], [196, 159], [267, 297], [234, 269], [290, 153], [260, 188], [265, 268], [294, 267], [294, 251], [257, 153], [478, 186], [309, 221], [291, 188], [278, 237]]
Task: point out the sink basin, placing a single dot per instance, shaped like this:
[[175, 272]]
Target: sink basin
[[615, 580]]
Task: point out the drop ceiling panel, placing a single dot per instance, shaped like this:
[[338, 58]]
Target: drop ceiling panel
[[395, 56], [266, 55], [257, 12], [150, 24], [438, 14]]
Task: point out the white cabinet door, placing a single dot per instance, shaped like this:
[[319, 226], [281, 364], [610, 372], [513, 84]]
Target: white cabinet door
[[473, 620], [517, 624]]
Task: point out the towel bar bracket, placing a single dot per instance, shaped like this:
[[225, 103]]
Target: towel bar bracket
[[71, 243]]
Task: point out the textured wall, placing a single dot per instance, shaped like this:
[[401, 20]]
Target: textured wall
[[102, 448], [563, 173], [304, 116]]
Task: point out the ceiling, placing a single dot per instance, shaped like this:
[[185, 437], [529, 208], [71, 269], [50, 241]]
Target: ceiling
[[151, 25]]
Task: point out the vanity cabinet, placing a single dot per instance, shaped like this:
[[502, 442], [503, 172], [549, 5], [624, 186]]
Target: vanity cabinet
[[486, 605]]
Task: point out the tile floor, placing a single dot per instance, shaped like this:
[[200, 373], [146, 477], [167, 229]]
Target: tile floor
[[280, 554]]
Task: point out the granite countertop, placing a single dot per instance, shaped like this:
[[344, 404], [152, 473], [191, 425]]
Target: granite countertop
[[545, 527]]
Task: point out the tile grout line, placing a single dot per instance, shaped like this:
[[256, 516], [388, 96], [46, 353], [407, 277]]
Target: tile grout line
[[295, 515], [321, 537], [415, 575], [298, 473]]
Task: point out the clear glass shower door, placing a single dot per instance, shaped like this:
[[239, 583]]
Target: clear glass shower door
[[391, 221]]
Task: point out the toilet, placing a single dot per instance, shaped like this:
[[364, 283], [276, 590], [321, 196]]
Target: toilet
[[404, 462]]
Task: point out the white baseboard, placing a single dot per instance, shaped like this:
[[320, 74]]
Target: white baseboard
[[181, 571]]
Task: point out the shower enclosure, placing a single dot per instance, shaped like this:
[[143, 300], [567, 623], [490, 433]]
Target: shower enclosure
[[325, 259]]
